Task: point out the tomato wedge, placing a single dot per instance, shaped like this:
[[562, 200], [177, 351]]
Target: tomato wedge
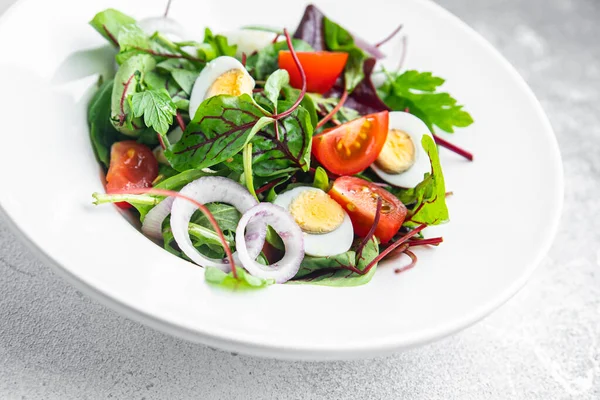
[[322, 68], [350, 148], [359, 198], [132, 165]]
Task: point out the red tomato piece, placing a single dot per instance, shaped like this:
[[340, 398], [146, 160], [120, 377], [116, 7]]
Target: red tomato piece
[[322, 68], [350, 148], [359, 198], [132, 165]]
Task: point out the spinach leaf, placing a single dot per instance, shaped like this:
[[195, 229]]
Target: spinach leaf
[[277, 80], [219, 131], [326, 271], [109, 23], [418, 91], [321, 180], [215, 276], [102, 132], [427, 200], [265, 61], [156, 107]]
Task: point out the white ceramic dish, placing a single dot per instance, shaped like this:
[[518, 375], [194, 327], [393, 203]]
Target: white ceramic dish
[[504, 212]]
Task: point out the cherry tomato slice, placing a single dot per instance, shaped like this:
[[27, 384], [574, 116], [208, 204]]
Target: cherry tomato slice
[[350, 148], [359, 198], [322, 68], [132, 165]]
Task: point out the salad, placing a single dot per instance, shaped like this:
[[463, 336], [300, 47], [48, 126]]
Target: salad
[[269, 157]]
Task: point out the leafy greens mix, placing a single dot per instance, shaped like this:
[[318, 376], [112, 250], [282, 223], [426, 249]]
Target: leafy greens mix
[[263, 140]]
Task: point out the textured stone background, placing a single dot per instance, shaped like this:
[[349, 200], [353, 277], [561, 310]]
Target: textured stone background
[[57, 344]]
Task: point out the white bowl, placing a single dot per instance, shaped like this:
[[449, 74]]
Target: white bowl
[[504, 211]]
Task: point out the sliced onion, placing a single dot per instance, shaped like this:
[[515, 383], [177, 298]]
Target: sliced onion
[[291, 235], [152, 225], [211, 189]]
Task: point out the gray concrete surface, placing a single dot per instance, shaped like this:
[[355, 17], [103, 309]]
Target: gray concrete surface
[[57, 344]]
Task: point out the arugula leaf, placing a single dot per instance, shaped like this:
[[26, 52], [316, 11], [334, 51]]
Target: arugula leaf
[[215, 276], [265, 61], [277, 80], [326, 271], [417, 91], [157, 108], [427, 200], [321, 180], [109, 23], [128, 82], [339, 39], [219, 131]]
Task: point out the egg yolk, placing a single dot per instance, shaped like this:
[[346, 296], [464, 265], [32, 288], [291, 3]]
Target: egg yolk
[[398, 153], [315, 212], [233, 82]]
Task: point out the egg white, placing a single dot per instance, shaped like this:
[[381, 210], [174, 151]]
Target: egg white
[[209, 74], [416, 129], [249, 40], [332, 243]]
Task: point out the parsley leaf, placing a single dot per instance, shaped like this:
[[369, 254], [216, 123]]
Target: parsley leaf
[[157, 108], [427, 201], [417, 91]]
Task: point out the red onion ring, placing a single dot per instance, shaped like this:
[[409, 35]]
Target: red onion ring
[[291, 234], [212, 189], [152, 225]]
